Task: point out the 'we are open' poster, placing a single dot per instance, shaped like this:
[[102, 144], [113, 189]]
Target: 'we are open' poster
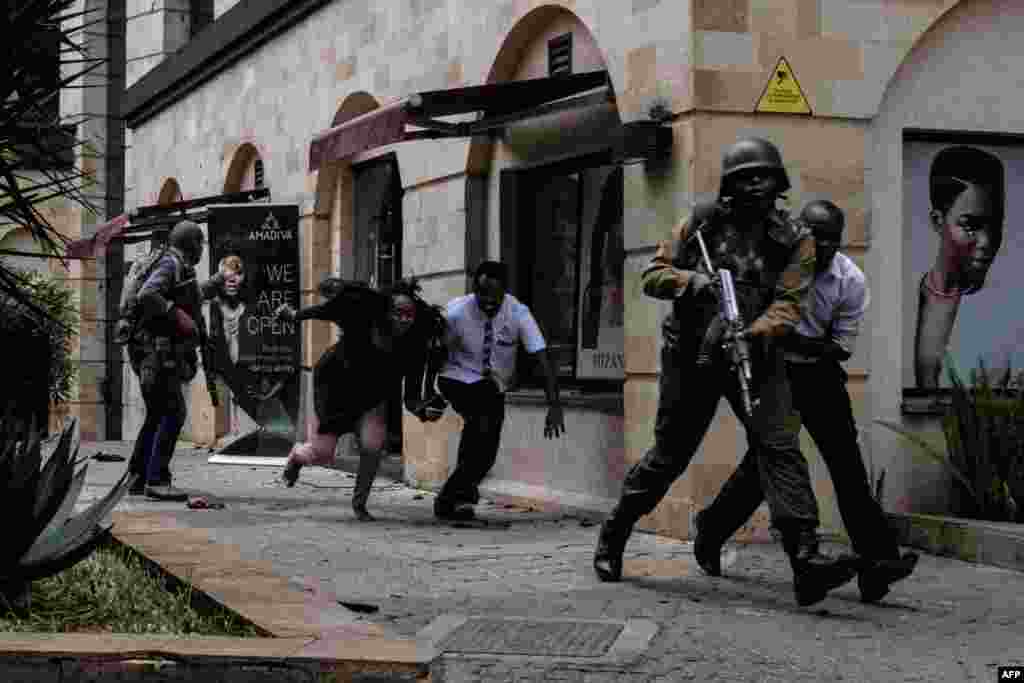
[[256, 246]]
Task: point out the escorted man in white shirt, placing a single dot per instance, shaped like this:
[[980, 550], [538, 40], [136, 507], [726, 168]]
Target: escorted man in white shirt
[[484, 331], [823, 338]]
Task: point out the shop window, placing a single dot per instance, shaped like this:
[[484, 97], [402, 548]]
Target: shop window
[[377, 237], [560, 55], [201, 16], [565, 244], [378, 221]]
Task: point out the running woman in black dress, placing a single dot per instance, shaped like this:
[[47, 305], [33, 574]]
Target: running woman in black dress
[[387, 337]]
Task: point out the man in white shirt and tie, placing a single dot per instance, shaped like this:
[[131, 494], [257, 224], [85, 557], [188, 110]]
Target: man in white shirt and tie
[[485, 329], [823, 338]]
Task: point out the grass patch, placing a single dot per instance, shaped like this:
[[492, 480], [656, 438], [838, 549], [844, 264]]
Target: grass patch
[[112, 591]]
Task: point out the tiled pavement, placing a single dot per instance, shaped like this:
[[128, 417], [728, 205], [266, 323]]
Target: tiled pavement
[[952, 621]]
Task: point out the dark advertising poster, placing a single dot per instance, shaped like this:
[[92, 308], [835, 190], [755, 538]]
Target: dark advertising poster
[[962, 259], [256, 247]]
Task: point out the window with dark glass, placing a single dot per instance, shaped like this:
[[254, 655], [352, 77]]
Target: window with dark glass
[[560, 55], [565, 244], [201, 12]]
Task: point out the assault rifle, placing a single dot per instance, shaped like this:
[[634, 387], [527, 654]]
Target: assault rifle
[[737, 348], [186, 296]]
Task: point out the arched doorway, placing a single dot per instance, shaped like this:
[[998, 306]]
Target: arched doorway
[[245, 172], [170, 192], [553, 198], [953, 97], [360, 208]]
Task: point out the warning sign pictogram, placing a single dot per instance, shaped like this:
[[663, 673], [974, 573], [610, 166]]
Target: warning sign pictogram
[[783, 95]]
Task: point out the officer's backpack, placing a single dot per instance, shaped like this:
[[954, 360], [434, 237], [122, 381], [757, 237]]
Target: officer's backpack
[[138, 273]]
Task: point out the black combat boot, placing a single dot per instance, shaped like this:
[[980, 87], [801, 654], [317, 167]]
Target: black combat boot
[[877, 575], [611, 543], [707, 547], [814, 574]]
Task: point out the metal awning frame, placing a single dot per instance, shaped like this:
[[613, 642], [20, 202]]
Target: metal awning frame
[[154, 222], [494, 125], [496, 105]]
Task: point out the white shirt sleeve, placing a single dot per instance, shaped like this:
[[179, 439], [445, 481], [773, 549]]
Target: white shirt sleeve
[[850, 313], [529, 332]]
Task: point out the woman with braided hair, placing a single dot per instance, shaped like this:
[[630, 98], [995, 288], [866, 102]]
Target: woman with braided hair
[[388, 336]]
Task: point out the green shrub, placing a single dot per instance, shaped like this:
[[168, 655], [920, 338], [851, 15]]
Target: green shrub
[[44, 345]]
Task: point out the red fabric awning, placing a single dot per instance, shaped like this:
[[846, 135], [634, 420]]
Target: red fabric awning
[[377, 128], [89, 246], [498, 103]]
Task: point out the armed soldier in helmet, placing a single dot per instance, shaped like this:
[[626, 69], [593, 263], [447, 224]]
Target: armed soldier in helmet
[[162, 353], [772, 264], [822, 339]]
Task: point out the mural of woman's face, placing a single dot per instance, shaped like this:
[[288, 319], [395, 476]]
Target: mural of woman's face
[[971, 235]]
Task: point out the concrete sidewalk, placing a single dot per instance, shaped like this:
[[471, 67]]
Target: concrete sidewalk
[[522, 603]]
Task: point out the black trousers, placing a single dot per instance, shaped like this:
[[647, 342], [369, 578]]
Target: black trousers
[[482, 407], [820, 396], [165, 416], [688, 398]]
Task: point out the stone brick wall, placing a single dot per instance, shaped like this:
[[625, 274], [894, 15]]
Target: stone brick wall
[[707, 61]]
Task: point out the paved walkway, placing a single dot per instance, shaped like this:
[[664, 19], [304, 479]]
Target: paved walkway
[[952, 621]]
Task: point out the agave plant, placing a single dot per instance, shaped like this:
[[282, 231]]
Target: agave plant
[[44, 535], [984, 438]]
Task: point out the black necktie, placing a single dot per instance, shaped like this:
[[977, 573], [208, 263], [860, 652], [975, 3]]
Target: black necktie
[[488, 343]]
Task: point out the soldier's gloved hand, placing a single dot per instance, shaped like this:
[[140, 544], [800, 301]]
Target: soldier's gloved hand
[[186, 326], [699, 282]]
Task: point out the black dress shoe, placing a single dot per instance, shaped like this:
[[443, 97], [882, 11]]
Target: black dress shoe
[[362, 514], [814, 574], [707, 552], [165, 492], [611, 543], [290, 475], [875, 580], [462, 512]]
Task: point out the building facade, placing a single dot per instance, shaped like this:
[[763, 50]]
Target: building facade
[[245, 98]]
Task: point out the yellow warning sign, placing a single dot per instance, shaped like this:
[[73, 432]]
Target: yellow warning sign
[[783, 95]]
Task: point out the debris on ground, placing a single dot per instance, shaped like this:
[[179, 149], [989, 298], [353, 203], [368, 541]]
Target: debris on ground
[[203, 503]]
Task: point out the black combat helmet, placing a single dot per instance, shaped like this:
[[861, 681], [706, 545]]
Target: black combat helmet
[[749, 153], [187, 237]]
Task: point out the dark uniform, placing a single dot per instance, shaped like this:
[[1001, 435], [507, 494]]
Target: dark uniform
[[164, 359], [818, 384], [772, 271], [772, 264]]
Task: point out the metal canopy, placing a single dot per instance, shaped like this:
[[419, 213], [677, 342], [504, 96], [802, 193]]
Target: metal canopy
[[497, 104], [507, 97], [148, 221]]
